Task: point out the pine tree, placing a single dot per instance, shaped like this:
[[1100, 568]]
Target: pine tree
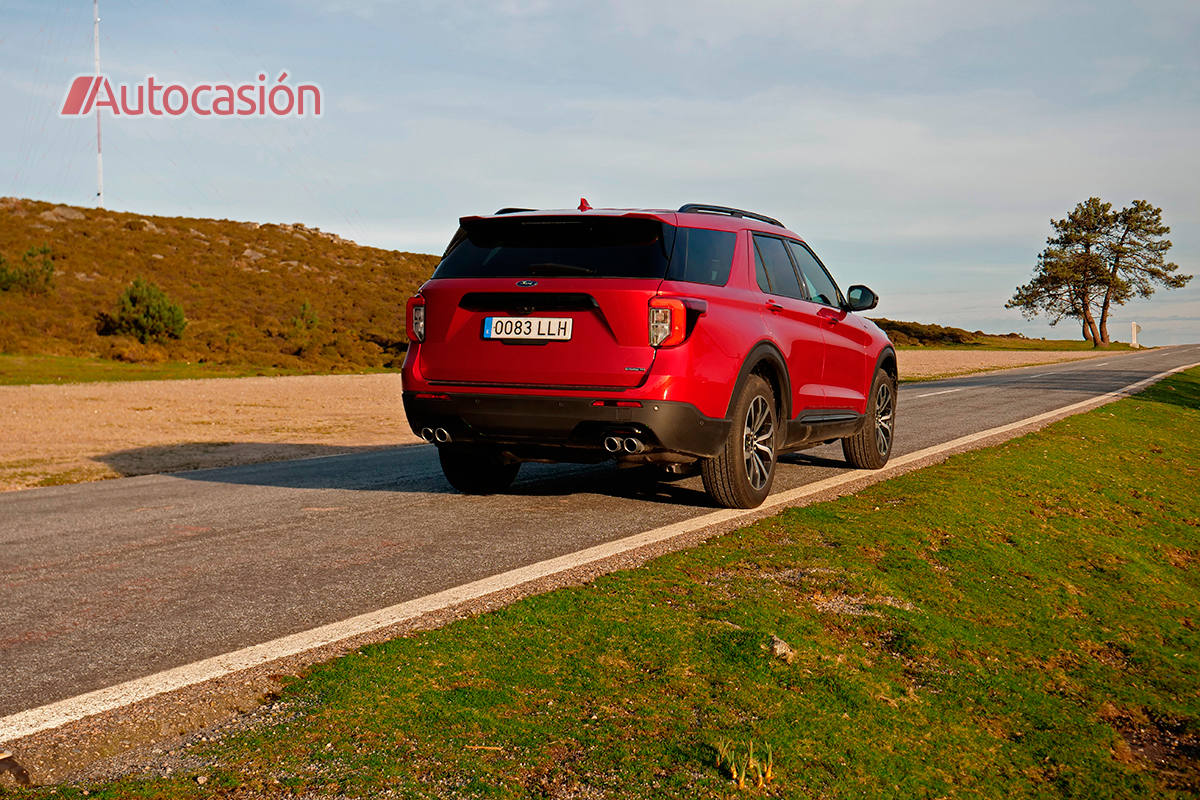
[[1098, 258]]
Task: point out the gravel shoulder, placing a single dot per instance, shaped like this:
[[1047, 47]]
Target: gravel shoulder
[[93, 431]]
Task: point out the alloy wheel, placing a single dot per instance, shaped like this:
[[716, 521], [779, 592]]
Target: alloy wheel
[[758, 442], [885, 417]]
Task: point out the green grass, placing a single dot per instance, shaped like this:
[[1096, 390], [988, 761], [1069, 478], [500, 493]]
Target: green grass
[[22, 370], [1017, 622]]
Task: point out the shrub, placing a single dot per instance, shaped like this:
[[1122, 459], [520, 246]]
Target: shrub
[[144, 311], [35, 276]]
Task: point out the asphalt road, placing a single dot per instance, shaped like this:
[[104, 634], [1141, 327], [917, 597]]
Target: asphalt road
[[105, 582]]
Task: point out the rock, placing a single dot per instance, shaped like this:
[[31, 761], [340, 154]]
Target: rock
[[782, 650], [61, 213], [253, 255], [201, 779]]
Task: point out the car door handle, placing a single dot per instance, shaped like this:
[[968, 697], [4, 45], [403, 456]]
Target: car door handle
[[774, 307]]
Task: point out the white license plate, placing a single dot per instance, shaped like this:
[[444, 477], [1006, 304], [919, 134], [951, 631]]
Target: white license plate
[[536, 328]]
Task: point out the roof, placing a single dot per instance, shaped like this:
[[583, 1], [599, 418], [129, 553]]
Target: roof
[[690, 215]]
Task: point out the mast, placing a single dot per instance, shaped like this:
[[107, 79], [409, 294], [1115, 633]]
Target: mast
[[99, 156]]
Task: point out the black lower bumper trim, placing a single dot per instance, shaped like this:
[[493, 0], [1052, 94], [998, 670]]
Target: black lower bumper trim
[[527, 424]]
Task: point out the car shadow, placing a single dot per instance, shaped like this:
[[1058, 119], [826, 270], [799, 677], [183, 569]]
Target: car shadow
[[806, 459], [412, 469], [218, 456]]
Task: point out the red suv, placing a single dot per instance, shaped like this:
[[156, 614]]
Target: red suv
[[706, 338]]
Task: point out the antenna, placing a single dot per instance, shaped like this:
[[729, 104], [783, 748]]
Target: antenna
[[99, 157]]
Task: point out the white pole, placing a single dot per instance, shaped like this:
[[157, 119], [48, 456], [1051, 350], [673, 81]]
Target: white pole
[[1133, 342], [99, 156]]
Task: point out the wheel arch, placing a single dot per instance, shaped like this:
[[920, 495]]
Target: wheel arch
[[765, 360], [887, 362]]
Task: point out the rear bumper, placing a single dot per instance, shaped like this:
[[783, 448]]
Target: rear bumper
[[572, 427]]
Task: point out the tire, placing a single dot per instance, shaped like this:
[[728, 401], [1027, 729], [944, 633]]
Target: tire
[[740, 475], [871, 447], [476, 470]]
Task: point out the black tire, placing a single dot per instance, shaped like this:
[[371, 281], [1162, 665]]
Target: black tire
[[871, 447], [740, 475], [476, 470]]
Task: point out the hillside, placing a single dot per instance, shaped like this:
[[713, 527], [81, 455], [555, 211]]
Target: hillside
[[242, 286]]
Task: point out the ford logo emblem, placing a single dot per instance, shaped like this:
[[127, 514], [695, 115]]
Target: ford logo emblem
[[527, 282]]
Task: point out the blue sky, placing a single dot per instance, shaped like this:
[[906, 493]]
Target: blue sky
[[920, 147]]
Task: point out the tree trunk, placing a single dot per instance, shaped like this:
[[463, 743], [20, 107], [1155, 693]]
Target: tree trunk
[[1113, 275], [1090, 322]]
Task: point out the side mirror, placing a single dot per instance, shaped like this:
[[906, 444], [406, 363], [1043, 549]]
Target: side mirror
[[860, 298]]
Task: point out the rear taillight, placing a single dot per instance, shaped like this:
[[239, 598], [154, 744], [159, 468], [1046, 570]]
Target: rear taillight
[[416, 319], [668, 321]]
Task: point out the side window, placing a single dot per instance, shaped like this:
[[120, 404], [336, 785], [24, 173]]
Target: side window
[[771, 260], [702, 256], [821, 287]]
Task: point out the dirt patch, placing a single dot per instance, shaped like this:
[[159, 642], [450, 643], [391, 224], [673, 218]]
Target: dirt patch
[[924, 364], [92, 431], [1168, 747]]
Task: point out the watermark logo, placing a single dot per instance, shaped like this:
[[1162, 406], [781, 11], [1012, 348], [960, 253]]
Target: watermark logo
[[262, 98]]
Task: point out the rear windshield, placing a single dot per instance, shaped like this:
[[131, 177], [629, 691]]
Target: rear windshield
[[600, 247]]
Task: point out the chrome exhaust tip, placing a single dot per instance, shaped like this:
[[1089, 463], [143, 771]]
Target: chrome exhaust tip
[[612, 444], [427, 434], [634, 445], [441, 435]]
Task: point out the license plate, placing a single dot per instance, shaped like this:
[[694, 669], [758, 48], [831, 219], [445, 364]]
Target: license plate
[[535, 328]]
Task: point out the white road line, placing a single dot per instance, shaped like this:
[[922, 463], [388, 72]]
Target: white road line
[[944, 391], [48, 717]]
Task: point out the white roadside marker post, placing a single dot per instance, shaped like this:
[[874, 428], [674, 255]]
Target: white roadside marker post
[[1133, 338]]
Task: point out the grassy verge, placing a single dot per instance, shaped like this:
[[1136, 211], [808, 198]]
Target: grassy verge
[[24, 370], [1017, 622], [988, 342]]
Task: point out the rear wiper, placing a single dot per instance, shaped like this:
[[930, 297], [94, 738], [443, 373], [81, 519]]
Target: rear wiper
[[553, 268]]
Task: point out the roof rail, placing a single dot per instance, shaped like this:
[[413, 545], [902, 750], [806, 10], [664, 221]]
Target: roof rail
[[733, 212], [512, 210]]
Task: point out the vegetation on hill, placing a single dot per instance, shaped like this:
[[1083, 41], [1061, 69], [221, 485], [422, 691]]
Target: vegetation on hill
[[234, 295], [918, 334], [273, 296]]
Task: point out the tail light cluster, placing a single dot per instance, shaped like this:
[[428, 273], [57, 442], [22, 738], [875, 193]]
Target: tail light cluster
[[668, 321], [416, 319], [672, 319]]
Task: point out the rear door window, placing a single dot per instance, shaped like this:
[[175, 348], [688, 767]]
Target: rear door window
[[773, 266], [821, 288], [702, 256], [599, 247]]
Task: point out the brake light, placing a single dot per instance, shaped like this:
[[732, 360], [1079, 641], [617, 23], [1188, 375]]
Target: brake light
[[668, 321], [416, 319]]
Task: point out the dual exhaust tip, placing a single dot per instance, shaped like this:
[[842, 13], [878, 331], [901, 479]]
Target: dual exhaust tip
[[613, 444], [627, 444], [439, 435]]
